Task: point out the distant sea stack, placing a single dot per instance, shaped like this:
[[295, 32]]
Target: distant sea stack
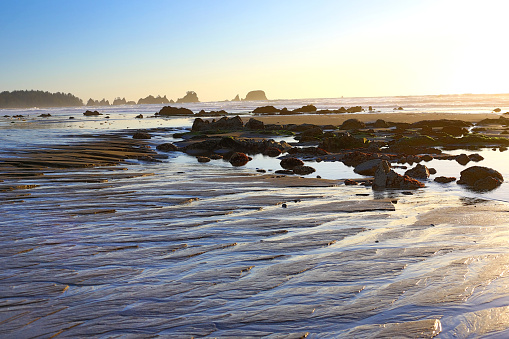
[[151, 100], [103, 102], [256, 96], [236, 98], [190, 96], [119, 101]]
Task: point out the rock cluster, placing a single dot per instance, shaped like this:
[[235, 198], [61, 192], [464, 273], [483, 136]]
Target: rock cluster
[[386, 178], [481, 178]]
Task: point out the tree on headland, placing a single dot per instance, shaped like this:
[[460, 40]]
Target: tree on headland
[[32, 98]]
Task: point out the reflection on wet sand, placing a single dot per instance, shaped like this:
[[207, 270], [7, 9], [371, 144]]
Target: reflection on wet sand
[[168, 248]]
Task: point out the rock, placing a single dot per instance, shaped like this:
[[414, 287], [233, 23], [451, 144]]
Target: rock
[[167, 147], [303, 170], [91, 113], [350, 182], [381, 124], [224, 124], [216, 157], [341, 142], [139, 116], [236, 98], [476, 157], [203, 159], [497, 110], [174, 111], [290, 163], [386, 178], [266, 110], [418, 172], [432, 171], [151, 100], [190, 96], [255, 96], [427, 157], [368, 167], [272, 152], [311, 134], [141, 135], [119, 101], [444, 180], [462, 159], [487, 184], [481, 178], [455, 131], [284, 172], [305, 109], [254, 124], [239, 159], [355, 109], [45, 115], [352, 124]]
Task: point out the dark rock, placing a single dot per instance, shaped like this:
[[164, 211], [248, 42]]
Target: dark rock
[[239, 159], [385, 177], [190, 96], [71, 118], [381, 124], [174, 111], [462, 159], [455, 131], [497, 110], [141, 135], [303, 170], [216, 157], [261, 170], [432, 171], [350, 182], [203, 159], [355, 109], [91, 113], [305, 109], [341, 142], [427, 157], [441, 123], [418, 172], [224, 124], [255, 96], [167, 147], [45, 115], [139, 116], [254, 124], [272, 152], [311, 134], [290, 163], [476, 157], [266, 110], [352, 124], [487, 184], [478, 177], [444, 180], [287, 171], [368, 167]]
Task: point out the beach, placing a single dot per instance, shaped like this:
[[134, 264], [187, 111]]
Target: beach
[[104, 235]]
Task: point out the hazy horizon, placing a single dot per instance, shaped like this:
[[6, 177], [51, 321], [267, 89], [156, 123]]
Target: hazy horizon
[[289, 49]]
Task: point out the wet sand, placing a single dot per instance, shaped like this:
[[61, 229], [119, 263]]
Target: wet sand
[[95, 245]]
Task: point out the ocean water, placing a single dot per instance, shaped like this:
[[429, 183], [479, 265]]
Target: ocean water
[[178, 248]]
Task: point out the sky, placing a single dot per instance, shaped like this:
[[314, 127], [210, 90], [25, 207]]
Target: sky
[[291, 49]]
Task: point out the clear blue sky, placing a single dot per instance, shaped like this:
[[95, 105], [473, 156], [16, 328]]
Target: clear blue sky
[[290, 49]]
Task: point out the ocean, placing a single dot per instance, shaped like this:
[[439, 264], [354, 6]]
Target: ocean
[[180, 248]]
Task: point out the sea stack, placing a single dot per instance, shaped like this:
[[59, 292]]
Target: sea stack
[[255, 96]]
